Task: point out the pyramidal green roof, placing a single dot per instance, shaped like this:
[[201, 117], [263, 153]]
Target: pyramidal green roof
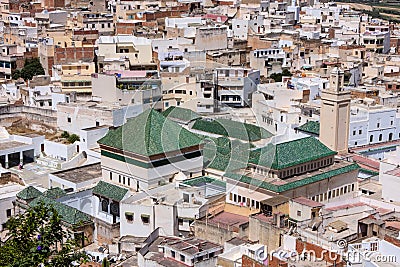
[[292, 185], [28, 193], [110, 191], [290, 153], [54, 193], [310, 127], [181, 114], [199, 181], [68, 214], [150, 133], [235, 129]]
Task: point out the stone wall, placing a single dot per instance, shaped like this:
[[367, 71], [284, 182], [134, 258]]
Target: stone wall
[[265, 233], [10, 114], [218, 233]]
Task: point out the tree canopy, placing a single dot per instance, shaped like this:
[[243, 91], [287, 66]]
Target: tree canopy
[[277, 77], [32, 67], [37, 237]]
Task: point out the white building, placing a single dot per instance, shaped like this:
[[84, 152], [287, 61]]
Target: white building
[[17, 149], [128, 88], [371, 124], [270, 60], [73, 117], [276, 108], [131, 50], [8, 192], [236, 85], [171, 207]]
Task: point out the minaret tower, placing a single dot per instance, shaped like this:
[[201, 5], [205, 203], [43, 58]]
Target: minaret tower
[[335, 113]]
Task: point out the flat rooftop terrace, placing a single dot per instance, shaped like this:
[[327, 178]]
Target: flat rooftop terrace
[[11, 144], [80, 174]]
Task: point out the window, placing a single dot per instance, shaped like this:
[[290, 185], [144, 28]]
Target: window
[[354, 132], [380, 137], [173, 254], [119, 178], [378, 125], [110, 176], [104, 205], [145, 218], [299, 213], [182, 258], [8, 213], [129, 181], [68, 119], [359, 131], [129, 216], [371, 138]]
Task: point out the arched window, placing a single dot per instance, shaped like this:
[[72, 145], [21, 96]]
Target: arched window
[[104, 205], [380, 137]]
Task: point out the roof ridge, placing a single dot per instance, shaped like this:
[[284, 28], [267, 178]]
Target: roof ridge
[[147, 127]]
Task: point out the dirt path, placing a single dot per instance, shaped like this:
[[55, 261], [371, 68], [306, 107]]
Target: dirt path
[[356, 6]]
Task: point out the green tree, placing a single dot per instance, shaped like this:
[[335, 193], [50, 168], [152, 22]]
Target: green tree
[[105, 263], [72, 138], [32, 67], [277, 77], [16, 74], [37, 237], [65, 134]]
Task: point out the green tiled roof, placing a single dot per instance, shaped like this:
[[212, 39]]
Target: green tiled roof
[[198, 181], [29, 193], [366, 171], [181, 114], [234, 129], [378, 149], [150, 133], [290, 153], [310, 127], [111, 191], [292, 185], [68, 214], [54, 193], [224, 154]]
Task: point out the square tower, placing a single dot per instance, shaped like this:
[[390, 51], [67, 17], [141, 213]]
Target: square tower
[[335, 113]]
